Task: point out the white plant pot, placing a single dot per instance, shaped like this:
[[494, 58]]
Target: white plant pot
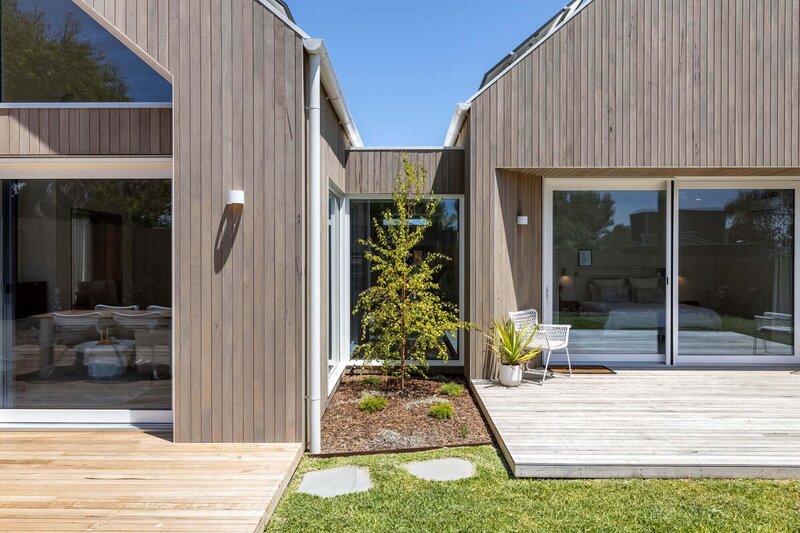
[[510, 376]]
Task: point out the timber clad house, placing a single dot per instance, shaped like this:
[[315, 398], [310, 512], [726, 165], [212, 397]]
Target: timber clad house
[[632, 170]]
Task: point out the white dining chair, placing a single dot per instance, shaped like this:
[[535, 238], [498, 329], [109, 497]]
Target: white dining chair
[[149, 333], [72, 329], [104, 307], [158, 308]]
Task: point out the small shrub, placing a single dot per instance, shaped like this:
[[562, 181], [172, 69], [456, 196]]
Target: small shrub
[[452, 389], [371, 380], [372, 404], [441, 411], [464, 431]]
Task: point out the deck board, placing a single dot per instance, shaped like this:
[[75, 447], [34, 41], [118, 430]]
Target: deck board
[[649, 423], [136, 481]]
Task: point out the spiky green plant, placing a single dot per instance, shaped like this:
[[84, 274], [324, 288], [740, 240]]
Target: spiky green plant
[[405, 318], [512, 345]]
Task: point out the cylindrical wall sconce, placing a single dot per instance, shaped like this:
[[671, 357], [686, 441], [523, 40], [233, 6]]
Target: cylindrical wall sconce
[[235, 197], [522, 220]]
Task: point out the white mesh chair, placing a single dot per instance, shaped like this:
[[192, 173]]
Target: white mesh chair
[[552, 337], [526, 319], [548, 338], [104, 307], [150, 334], [771, 322], [72, 329], [158, 308]]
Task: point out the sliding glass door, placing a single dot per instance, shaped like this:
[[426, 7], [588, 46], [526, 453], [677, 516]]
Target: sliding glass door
[[735, 266], [606, 258], [682, 271], [87, 311]]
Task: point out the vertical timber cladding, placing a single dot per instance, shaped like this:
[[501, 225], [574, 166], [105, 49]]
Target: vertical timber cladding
[[657, 84], [239, 276], [95, 132]]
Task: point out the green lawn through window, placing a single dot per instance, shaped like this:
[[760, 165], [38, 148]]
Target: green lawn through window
[[495, 501]]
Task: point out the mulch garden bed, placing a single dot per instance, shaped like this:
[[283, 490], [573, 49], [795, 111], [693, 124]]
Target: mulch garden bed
[[404, 422]]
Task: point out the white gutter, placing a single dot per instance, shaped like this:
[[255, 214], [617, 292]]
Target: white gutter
[[456, 122], [335, 95], [315, 207]]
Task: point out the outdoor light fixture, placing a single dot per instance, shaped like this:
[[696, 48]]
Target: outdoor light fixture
[[235, 197], [522, 220]]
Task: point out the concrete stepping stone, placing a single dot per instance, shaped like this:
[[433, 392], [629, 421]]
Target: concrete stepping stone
[[442, 469], [336, 482]]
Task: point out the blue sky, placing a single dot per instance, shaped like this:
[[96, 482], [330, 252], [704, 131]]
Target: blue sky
[[404, 65]]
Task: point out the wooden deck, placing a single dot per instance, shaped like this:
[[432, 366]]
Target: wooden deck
[[649, 423], [134, 481]]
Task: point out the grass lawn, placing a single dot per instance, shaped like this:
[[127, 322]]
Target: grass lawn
[[495, 501]]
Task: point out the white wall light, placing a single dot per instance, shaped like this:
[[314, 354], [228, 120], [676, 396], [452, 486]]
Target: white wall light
[[235, 197], [522, 220]]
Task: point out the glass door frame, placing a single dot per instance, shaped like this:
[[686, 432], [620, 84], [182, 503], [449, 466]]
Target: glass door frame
[[79, 168], [550, 186], [723, 183]]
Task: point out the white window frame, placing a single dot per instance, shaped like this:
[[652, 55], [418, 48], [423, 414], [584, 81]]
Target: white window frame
[[341, 284], [86, 169], [436, 363], [552, 185], [722, 183]]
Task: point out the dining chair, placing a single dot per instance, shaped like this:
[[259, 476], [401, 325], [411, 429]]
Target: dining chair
[[104, 307], [158, 308], [72, 329], [150, 334]]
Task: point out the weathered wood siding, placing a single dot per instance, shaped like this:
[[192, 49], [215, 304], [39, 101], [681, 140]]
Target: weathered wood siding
[[375, 171], [92, 132], [239, 276], [334, 145], [632, 84]]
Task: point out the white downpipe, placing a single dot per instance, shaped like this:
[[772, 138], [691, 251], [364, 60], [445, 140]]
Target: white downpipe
[[314, 47]]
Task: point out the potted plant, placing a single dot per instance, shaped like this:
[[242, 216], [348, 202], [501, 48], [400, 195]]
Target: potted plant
[[512, 346]]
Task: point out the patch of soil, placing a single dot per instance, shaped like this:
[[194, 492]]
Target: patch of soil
[[404, 423]]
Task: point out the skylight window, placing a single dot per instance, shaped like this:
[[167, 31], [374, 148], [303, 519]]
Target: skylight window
[[51, 51]]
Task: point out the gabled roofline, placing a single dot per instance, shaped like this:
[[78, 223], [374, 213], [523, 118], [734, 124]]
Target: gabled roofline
[[561, 19], [329, 80]]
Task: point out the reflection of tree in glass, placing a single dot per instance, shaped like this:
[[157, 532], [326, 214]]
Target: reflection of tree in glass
[[146, 202], [44, 64], [762, 216], [582, 219]]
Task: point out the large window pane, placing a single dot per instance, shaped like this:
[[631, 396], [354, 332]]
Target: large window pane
[[52, 51], [77, 253], [442, 237], [736, 265], [609, 269]]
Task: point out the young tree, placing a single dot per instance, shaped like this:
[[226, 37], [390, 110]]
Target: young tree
[[404, 316]]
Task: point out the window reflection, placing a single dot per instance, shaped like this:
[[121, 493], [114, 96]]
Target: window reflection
[[52, 51], [609, 264], [90, 267], [736, 259], [441, 237]]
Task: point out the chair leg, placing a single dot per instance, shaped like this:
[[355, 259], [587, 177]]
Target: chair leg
[[546, 364], [569, 363]]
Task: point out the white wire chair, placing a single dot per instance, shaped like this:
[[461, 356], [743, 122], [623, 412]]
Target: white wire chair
[[158, 308], [771, 322], [149, 332], [525, 319], [548, 337], [72, 329], [104, 307]]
